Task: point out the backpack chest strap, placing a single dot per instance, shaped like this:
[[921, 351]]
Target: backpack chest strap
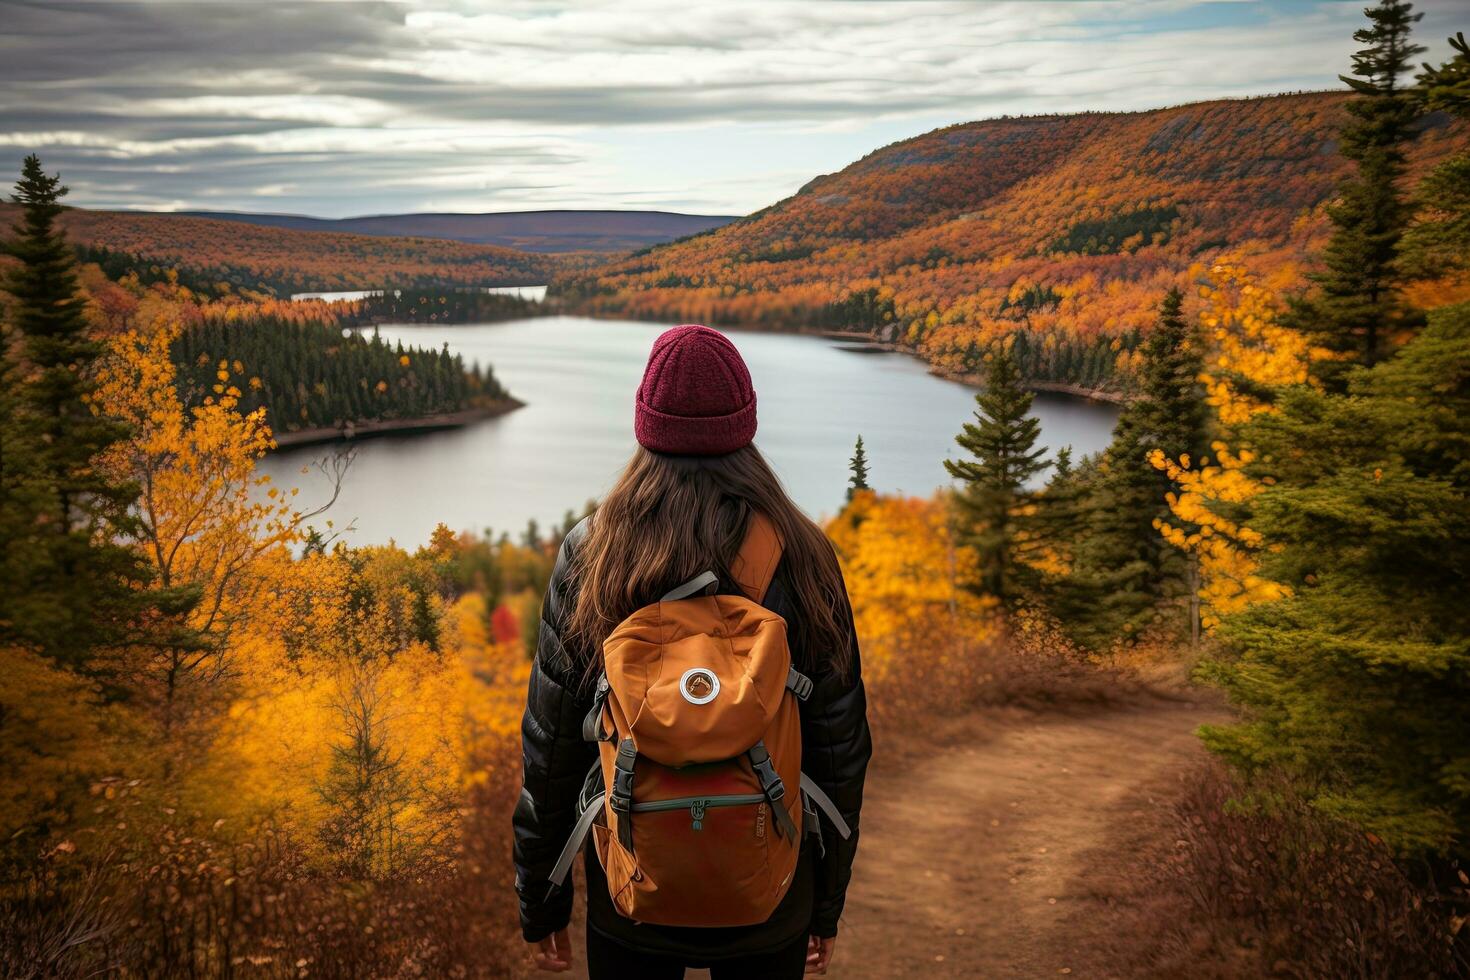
[[574, 843]]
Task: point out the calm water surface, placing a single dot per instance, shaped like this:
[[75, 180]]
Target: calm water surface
[[568, 444]]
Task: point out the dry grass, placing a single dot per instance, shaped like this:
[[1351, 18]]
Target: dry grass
[[1231, 883], [1038, 668], [1031, 666], [1032, 669]]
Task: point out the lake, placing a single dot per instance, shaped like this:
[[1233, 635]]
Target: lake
[[578, 377]]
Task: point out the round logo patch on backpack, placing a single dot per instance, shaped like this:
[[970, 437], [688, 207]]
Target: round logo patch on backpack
[[699, 685]]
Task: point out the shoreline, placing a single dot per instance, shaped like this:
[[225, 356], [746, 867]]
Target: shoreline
[[1055, 387], [354, 430], [870, 344], [1081, 391]]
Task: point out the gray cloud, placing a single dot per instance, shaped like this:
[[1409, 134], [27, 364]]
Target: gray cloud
[[336, 108]]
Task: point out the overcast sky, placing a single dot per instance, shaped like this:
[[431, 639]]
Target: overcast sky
[[346, 108]]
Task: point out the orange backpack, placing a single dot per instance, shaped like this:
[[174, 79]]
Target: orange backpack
[[699, 736]]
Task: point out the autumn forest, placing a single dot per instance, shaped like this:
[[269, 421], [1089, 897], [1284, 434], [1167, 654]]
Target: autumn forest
[[234, 742]]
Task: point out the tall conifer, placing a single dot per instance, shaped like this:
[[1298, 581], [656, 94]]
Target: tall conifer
[[1122, 568], [76, 587], [858, 466], [994, 497], [1357, 308], [1439, 241], [23, 494], [1059, 509], [1358, 680]]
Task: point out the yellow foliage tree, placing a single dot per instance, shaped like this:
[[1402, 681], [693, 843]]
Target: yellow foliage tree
[[1250, 351], [905, 571], [207, 520]]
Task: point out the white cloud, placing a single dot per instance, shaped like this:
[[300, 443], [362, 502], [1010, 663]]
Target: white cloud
[[354, 107]]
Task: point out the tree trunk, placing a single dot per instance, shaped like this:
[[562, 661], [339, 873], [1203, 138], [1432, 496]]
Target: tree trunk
[[1194, 624]]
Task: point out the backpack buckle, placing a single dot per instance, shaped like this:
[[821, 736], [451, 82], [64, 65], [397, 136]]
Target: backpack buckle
[[621, 797], [592, 729], [772, 787], [771, 783], [799, 684]]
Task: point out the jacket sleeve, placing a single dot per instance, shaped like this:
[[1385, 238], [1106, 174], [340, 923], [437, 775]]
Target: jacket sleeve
[[554, 762], [836, 746]]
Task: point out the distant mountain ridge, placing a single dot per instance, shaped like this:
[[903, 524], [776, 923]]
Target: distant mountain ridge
[[210, 254], [528, 231]]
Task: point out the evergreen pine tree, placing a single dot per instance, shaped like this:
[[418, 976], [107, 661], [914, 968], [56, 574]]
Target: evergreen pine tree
[[1122, 567], [23, 494], [1357, 307], [1062, 469], [1059, 504], [993, 498], [858, 466], [531, 536], [1448, 86], [1439, 242], [315, 543], [79, 588], [365, 787], [1358, 680]]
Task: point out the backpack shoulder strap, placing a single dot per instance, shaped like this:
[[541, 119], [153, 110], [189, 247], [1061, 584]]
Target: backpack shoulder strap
[[759, 555]]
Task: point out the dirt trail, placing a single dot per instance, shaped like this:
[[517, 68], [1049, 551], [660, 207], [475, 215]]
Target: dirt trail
[[979, 840], [985, 845]]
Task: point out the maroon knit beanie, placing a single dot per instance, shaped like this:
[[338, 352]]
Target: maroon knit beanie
[[696, 398]]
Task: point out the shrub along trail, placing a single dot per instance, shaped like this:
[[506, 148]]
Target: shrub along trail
[[980, 856]]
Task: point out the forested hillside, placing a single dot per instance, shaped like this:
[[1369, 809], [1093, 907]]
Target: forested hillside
[[308, 375], [300, 362], [284, 261], [1061, 230]]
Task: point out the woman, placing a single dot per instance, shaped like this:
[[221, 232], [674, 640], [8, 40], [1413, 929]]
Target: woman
[[682, 506]]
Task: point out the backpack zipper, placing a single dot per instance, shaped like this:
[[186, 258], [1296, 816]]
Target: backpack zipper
[[696, 805]]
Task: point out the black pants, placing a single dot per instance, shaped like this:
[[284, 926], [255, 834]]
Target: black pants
[[608, 960]]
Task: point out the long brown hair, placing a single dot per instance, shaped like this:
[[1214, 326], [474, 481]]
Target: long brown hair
[[670, 518]]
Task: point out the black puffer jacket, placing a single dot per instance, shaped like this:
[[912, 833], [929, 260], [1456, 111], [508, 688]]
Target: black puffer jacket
[[835, 750]]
